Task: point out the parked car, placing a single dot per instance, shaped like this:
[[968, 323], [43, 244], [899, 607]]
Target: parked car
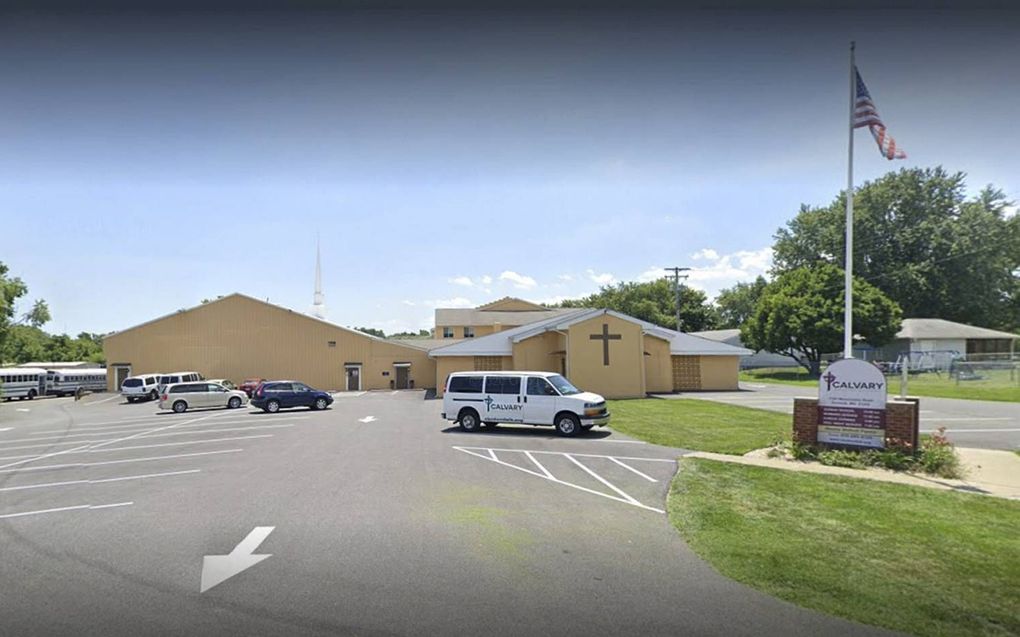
[[272, 396], [140, 387], [249, 385], [223, 381], [184, 396], [177, 377], [531, 398]]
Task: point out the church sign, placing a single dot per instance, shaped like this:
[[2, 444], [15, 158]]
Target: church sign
[[851, 404]]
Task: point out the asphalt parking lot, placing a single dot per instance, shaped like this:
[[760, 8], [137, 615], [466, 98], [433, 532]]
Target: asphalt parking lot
[[376, 516], [980, 424]]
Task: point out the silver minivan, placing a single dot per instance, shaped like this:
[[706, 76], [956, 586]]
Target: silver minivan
[[184, 396]]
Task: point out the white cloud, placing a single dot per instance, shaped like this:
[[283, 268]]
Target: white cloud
[[408, 303], [566, 277], [553, 300], [653, 273], [458, 301], [520, 281], [604, 278], [705, 253], [461, 280], [486, 279]]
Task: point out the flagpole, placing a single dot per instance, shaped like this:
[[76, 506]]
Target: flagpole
[[848, 294]]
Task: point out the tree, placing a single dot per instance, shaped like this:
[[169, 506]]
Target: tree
[[11, 289], [411, 335], [654, 302], [736, 304], [371, 330], [800, 314], [919, 240]]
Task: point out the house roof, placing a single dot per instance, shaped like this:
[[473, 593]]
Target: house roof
[[501, 343], [917, 328], [501, 304], [475, 317], [718, 335]]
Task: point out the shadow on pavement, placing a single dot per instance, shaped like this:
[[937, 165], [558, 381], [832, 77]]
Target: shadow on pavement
[[525, 431]]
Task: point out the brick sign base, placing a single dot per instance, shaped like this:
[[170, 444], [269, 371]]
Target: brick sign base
[[902, 421]]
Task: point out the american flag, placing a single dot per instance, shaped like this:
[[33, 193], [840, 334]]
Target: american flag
[[865, 114]]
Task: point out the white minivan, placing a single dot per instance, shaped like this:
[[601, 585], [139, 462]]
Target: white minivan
[[140, 387], [531, 398], [172, 378]]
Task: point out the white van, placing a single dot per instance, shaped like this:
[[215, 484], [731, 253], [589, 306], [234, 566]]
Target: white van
[[140, 387], [173, 378], [531, 398]]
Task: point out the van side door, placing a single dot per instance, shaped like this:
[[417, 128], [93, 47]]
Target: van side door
[[503, 400], [539, 401]]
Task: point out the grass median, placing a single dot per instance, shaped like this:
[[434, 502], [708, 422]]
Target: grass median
[[917, 560], [995, 385], [699, 424]]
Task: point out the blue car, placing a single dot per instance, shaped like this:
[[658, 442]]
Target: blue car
[[274, 395]]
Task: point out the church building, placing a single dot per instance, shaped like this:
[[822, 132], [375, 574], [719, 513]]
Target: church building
[[599, 350]]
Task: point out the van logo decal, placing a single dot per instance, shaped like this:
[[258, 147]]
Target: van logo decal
[[491, 404]]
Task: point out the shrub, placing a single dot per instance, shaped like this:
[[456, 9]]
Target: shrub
[[801, 451], [938, 457], [842, 458], [894, 459]]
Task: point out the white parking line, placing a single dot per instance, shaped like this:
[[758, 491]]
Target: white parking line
[[57, 453], [77, 507], [546, 475], [105, 400], [149, 446], [105, 431], [233, 417], [538, 464], [82, 465], [84, 444], [609, 484], [630, 468], [68, 483]]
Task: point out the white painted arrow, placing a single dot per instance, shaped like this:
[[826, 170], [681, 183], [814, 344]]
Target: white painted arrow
[[367, 419], [219, 568]]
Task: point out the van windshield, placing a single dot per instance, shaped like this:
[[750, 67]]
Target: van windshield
[[563, 385]]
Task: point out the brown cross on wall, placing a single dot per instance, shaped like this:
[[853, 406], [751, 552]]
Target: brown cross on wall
[[605, 337]]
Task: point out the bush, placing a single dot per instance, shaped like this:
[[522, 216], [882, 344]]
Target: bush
[[800, 451], [938, 457], [894, 460], [842, 458]]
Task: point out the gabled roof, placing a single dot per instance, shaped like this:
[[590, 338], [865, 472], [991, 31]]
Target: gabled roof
[[501, 343], [510, 304], [915, 328], [446, 316], [238, 295]]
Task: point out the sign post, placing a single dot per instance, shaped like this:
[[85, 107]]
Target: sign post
[[851, 404]]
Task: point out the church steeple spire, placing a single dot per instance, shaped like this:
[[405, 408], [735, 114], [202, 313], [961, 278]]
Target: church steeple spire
[[318, 300]]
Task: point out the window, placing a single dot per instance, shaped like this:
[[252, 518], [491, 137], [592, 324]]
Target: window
[[447, 332], [539, 387], [133, 382], [503, 384], [301, 387], [466, 384], [563, 385], [278, 387], [469, 332]]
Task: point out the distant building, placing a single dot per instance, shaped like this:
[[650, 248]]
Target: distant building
[[506, 313], [755, 360], [940, 335]]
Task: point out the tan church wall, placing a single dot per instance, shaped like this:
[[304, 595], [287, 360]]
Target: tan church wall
[[536, 354], [719, 372], [658, 370], [624, 377], [238, 337]]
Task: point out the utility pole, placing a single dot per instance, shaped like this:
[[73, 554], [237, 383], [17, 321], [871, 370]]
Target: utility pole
[[676, 284]]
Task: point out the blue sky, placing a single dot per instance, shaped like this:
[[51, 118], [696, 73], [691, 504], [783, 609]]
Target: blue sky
[[452, 159]]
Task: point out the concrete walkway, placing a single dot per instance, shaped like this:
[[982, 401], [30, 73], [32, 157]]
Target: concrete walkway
[[989, 472]]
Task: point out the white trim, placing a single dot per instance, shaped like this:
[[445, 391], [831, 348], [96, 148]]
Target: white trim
[[360, 372]]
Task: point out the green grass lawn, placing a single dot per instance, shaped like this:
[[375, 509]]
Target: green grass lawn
[[994, 385], [908, 558], [699, 424]]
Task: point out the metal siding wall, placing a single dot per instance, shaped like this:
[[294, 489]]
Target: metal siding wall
[[237, 337]]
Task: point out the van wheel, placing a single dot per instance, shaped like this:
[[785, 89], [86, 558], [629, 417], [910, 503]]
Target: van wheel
[[234, 403], [130, 399], [273, 406], [153, 395], [180, 406], [567, 425], [469, 420]]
